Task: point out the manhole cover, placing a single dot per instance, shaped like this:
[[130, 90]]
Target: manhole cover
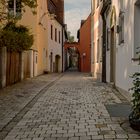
[[119, 110]]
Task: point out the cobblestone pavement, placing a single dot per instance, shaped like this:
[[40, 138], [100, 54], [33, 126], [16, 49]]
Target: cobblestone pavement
[[15, 100], [72, 108]]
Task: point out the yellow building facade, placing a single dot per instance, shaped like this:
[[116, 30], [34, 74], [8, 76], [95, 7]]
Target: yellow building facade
[[35, 59]]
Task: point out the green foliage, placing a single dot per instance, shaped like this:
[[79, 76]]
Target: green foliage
[[16, 38], [70, 38], [136, 94]]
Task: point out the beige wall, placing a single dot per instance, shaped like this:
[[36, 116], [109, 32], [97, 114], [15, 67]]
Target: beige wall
[[38, 58], [96, 41]]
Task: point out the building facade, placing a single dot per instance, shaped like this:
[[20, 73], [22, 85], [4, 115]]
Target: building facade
[[37, 60], [49, 36], [122, 42], [85, 45], [96, 39]]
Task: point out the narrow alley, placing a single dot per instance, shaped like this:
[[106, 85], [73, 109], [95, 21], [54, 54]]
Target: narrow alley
[[69, 106]]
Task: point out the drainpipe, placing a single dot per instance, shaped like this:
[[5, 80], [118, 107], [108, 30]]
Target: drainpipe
[[104, 51]]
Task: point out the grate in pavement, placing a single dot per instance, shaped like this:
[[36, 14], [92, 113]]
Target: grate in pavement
[[119, 110]]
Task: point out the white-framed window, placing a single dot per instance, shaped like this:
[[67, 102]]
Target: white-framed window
[[108, 38], [98, 51], [51, 32], [14, 7], [59, 37], [121, 27], [56, 34], [136, 30]]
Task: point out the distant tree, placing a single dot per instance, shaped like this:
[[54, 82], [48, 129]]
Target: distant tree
[[70, 38], [20, 6]]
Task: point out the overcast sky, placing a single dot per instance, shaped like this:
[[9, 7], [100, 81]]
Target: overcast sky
[[75, 11]]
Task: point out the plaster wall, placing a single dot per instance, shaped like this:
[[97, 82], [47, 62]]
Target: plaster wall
[[85, 45], [125, 66], [38, 59], [54, 47], [97, 42]]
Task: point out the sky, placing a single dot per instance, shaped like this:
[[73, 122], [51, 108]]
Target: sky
[[75, 11]]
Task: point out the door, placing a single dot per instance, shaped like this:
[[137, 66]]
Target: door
[[57, 63], [51, 62], [112, 57]]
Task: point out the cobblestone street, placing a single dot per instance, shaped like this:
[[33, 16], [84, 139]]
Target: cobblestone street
[[68, 107]]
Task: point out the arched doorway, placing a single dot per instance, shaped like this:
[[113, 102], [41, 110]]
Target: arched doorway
[[72, 56], [57, 63]]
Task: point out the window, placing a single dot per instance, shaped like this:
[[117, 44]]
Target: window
[[14, 7], [51, 32], [98, 51], [55, 34], [108, 35], [93, 51], [121, 28], [136, 30], [59, 36]]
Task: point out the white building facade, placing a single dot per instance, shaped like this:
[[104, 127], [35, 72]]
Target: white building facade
[[54, 53], [122, 43]]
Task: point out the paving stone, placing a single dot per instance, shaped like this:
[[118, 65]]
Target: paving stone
[[74, 138], [85, 138], [121, 136], [109, 136], [73, 108]]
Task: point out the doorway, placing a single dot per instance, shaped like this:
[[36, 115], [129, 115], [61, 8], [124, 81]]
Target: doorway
[[51, 62], [57, 63], [112, 57]]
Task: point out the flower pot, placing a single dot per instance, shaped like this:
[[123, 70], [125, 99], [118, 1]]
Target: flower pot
[[134, 122]]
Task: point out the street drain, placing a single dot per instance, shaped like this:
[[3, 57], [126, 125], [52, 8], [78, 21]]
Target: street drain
[[119, 110]]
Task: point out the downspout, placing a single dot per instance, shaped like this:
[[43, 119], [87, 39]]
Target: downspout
[[104, 50]]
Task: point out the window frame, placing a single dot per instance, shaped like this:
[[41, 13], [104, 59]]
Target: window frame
[[56, 34], [121, 27], [51, 32], [98, 50], [14, 9], [59, 37]]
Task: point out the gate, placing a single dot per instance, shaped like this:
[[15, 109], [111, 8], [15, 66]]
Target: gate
[[13, 68]]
